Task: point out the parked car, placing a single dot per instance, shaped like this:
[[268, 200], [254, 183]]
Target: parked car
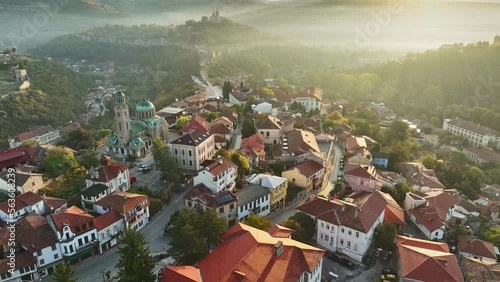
[[388, 277], [347, 263], [132, 179], [387, 254], [332, 256], [377, 253], [146, 170], [367, 259]]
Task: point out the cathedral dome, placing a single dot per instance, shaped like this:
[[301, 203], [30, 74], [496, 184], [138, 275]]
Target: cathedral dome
[[144, 106], [118, 95]]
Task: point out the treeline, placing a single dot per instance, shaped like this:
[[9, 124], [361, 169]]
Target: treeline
[[54, 98]]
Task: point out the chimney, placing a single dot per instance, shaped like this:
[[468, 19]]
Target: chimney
[[278, 248], [220, 161]]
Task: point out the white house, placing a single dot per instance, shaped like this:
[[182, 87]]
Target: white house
[[21, 206], [310, 98], [115, 176], [478, 135], [473, 247], [134, 208], [271, 128], [255, 199], [345, 227], [109, 227], [218, 175], [35, 236], [192, 149], [91, 195], [42, 136], [76, 232], [432, 213]]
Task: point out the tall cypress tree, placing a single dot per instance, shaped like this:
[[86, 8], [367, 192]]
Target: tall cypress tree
[[135, 264], [63, 272]]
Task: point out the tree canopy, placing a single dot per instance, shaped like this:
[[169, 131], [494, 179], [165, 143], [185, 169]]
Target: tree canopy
[[135, 262], [63, 272], [259, 222], [58, 160], [385, 236]]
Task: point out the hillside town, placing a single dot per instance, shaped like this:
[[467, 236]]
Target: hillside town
[[259, 154]]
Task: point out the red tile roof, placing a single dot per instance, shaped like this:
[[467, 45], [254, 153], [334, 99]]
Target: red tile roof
[[360, 217], [174, 273], [417, 174], [72, 217], [34, 233], [476, 246], [203, 195], [427, 261], [301, 141], [433, 215], [218, 166], [22, 201], [310, 92], [33, 133], [393, 212], [53, 203], [12, 157], [307, 168], [269, 122], [196, 123], [123, 202], [107, 219], [253, 146], [23, 259], [109, 172], [220, 128], [363, 171], [247, 254], [278, 231]]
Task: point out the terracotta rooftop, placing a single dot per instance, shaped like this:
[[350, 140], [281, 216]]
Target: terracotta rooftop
[[269, 122], [417, 174], [108, 172], [484, 154], [72, 217], [12, 157], [301, 141], [22, 201], [198, 123], [363, 171], [393, 212], [476, 247], [123, 202], [307, 168], [247, 254], [278, 231], [477, 270], [34, 133], [427, 261], [34, 233], [203, 195], [339, 212], [23, 259], [218, 166], [107, 219], [253, 146], [220, 128], [174, 273], [309, 92], [53, 203], [353, 143], [433, 214]]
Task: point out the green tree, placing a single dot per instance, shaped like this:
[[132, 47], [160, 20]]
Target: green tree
[[398, 192], [258, 222], [399, 131], [180, 122], [248, 128], [299, 233], [428, 161], [30, 142], [248, 105], [212, 227], [307, 223], [492, 234], [63, 272], [87, 158], [166, 162], [226, 89], [242, 162], [277, 167], [385, 236], [135, 262], [58, 160], [78, 139]]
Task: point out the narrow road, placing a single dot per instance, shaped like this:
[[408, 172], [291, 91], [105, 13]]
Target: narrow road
[[334, 173]]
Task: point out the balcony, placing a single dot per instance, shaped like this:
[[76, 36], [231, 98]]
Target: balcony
[[139, 210]]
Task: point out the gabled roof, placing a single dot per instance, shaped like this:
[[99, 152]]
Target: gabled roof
[[359, 217], [309, 92], [477, 247], [34, 233], [94, 190], [433, 214], [108, 172], [203, 195], [393, 212], [427, 261], [218, 166], [250, 193], [107, 219], [192, 138], [301, 141], [474, 127], [196, 123], [53, 203], [278, 231], [23, 259], [417, 174], [247, 254], [253, 146], [363, 171], [22, 201], [307, 168], [34, 133], [181, 273], [72, 217], [232, 116], [269, 122], [353, 143], [123, 202], [477, 270], [220, 128], [11, 157]]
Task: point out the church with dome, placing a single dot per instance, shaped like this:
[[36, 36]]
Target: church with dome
[[134, 135]]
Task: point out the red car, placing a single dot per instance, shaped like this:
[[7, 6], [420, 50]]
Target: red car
[[132, 179]]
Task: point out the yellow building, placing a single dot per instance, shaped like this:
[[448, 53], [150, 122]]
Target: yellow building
[[276, 185], [307, 175]]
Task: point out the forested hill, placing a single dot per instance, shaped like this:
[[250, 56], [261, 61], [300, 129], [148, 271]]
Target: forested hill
[[70, 6], [450, 81], [54, 98]]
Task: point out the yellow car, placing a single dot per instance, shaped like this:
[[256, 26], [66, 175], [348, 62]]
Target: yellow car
[[388, 277]]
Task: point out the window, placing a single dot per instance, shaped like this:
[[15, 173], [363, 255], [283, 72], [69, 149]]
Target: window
[[42, 261], [190, 153], [91, 224], [342, 230], [86, 240], [231, 206], [349, 244], [77, 229], [175, 151], [321, 236], [93, 236], [221, 210], [327, 238], [80, 242], [349, 232], [54, 247], [355, 247], [342, 242], [357, 234], [39, 253], [56, 256], [322, 224]]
